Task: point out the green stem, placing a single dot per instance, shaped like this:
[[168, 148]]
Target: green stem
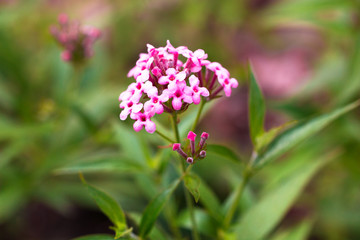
[[164, 136], [189, 204], [203, 101], [175, 127], [238, 192]]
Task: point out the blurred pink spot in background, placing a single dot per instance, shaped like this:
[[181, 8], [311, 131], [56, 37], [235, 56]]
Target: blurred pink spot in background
[[282, 74]]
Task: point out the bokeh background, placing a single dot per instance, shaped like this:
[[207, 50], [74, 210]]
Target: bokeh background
[[305, 54]]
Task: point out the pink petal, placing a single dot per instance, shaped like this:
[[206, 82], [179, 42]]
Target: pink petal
[[150, 126], [138, 125], [176, 103]]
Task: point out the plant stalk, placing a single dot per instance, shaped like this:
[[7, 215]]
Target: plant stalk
[[203, 101]]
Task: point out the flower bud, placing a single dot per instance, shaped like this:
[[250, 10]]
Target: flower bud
[[204, 137], [177, 147], [191, 136], [190, 160], [202, 154]]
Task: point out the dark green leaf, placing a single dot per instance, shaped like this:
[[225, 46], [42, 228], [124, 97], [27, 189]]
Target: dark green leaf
[[298, 133], [222, 151], [192, 183], [109, 207], [260, 220], [256, 110], [153, 210], [96, 237]]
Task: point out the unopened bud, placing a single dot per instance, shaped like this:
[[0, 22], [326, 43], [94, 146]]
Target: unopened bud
[[191, 136], [202, 154], [204, 137], [177, 147], [190, 160]]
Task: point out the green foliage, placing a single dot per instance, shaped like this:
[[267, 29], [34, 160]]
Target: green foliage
[[256, 110], [153, 210], [298, 133], [192, 183], [259, 221]]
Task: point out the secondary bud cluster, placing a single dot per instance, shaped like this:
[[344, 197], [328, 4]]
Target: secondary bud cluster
[[194, 151], [77, 40]]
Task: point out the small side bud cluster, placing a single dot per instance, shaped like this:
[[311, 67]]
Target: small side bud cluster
[[77, 40], [194, 152]]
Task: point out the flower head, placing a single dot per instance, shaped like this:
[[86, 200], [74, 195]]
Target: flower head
[[165, 83], [77, 40]]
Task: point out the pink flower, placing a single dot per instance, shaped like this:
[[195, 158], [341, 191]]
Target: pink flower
[[77, 40], [195, 91], [155, 102], [228, 84], [172, 76], [129, 107], [177, 93], [143, 119]]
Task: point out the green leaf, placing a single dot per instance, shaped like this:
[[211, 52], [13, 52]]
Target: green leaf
[[210, 201], [103, 164], [222, 151], [260, 220], [96, 237], [109, 207], [256, 110], [298, 133], [153, 210], [192, 183], [299, 232], [266, 137], [204, 223]]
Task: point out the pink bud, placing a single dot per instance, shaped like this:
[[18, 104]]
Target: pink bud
[[191, 136], [202, 154], [176, 146], [66, 55], [205, 135], [190, 160]]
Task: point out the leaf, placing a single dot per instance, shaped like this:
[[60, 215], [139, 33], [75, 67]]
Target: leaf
[[223, 151], [210, 201], [104, 164], [204, 223], [266, 137], [153, 210], [96, 237], [109, 207], [192, 183], [298, 133], [256, 110], [260, 220], [299, 232]]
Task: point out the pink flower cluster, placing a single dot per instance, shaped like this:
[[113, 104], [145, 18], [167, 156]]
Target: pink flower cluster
[[76, 39], [170, 79]]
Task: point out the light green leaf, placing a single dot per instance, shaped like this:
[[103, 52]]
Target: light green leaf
[[299, 232], [260, 220], [266, 137], [256, 110], [222, 151], [110, 208], [204, 223], [293, 136], [106, 164], [192, 183], [153, 210]]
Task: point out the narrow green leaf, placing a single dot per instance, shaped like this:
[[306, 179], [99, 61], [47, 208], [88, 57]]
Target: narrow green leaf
[[95, 237], [260, 220], [256, 110], [204, 223], [153, 210], [106, 164], [192, 183], [299, 232], [210, 201], [223, 151], [109, 207], [298, 133]]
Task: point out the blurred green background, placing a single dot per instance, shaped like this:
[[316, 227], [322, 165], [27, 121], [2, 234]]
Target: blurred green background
[[305, 53]]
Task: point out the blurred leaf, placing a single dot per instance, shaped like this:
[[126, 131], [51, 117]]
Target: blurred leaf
[[204, 223], [110, 208], [266, 137], [299, 232], [153, 210], [117, 163], [192, 183], [293, 136], [210, 201], [11, 151], [256, 110], [260, 220], [222, 151], [97, 237], [10, 130]]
